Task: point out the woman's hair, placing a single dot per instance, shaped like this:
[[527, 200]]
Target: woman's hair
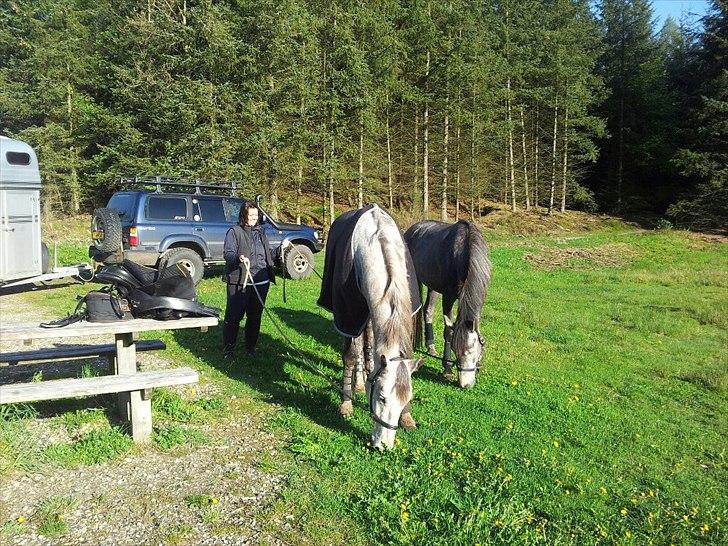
[[243, 216]]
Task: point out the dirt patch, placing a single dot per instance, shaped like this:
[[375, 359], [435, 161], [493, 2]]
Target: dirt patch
[[610, 255]]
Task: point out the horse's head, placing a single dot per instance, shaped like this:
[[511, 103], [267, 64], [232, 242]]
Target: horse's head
[[468, 345], [389, 390]]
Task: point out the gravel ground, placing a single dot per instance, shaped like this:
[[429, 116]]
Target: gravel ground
[[142, 498]]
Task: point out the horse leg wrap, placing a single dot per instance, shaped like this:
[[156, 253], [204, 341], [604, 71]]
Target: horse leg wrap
[[359, 374], [430, 339]]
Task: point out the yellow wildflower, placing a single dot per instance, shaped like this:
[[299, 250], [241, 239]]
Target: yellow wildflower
[[556, 443], [509, 477], [685, 517], [623, 511], [704, 529], [602, 490], [20, 519], [215, 500], [628, 534], [514, 382]]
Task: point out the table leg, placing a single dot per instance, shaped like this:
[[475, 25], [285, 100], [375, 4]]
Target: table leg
[[132, 406]]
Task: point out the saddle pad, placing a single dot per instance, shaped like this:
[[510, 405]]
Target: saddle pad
[[340, 292]]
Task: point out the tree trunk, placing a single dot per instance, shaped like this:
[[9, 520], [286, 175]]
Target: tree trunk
[[389, 161], [324, 158], [360, 199], [553, 158], [416, 186], [331, 179], [457, 173], [75, 187], [472, 161], [525, 162], [535, 172], [446, 138], [510, 147], [426, 149], [566, 158]]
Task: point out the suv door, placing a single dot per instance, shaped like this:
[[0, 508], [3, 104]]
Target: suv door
[[210, 222]]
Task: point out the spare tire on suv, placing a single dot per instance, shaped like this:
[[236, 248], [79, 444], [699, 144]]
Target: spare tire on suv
[[187, 258], [106, 230]]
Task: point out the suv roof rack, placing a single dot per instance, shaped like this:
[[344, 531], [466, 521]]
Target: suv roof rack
[[160, 182]]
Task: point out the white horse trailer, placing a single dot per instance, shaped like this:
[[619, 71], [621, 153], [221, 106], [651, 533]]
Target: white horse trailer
[[23, 258]]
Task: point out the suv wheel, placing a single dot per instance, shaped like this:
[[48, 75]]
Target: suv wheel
[[106, 230], [187, 258], [299, 262]]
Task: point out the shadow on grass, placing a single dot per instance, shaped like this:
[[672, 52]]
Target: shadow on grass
[[271, 372]]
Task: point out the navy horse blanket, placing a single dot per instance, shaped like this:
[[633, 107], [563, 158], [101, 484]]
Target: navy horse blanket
[[340, 293]]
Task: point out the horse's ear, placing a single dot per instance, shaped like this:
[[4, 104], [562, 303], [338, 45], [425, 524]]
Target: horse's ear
[[414, 364], [383, 361], [448, 321]]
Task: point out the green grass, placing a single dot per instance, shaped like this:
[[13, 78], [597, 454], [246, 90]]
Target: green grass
[[600, 414]]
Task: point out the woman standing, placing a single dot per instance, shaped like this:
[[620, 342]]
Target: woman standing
[[247, 256]]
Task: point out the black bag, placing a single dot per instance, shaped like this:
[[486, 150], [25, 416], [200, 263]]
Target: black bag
[[104, 306]]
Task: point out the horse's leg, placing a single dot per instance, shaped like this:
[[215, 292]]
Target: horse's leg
[[364, 362], [448, 303], [430, 303], [352, 348]]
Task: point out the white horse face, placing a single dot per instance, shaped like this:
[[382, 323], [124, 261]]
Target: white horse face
[[389, 390], [468, 347]]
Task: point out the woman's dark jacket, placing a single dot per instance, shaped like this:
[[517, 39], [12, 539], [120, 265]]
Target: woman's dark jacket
[[238, 240]]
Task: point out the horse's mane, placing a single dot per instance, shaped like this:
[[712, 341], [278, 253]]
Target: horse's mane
[[397, 328], [475, 262]]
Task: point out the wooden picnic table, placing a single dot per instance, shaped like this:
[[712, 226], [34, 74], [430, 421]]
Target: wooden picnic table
[[133, 388]]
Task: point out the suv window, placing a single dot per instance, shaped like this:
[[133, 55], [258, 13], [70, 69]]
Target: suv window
[[232, 209], [209, 209], [123, 203], [166, 208]]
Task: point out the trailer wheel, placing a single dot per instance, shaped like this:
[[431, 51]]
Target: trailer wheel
[[106, 230]]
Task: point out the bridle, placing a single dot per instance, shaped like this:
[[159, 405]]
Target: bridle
[[456, 362], [371, 379]]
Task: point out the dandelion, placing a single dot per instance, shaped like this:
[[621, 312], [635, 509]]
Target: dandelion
[[628, 534], [695, 510], [509, 426], [215, 500], [556, 444], [509, 477], [514, 383], [21, 519], [704, 529], [685, 517], [623, 511], [499, 523]]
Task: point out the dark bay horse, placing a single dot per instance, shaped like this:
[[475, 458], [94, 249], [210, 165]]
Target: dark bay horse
[[452, 260], [369, 285]]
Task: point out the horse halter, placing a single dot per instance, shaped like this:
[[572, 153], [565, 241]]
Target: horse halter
[[371, 380], [475, 368]]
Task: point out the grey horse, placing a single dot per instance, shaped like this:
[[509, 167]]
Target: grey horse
[[452, 260]]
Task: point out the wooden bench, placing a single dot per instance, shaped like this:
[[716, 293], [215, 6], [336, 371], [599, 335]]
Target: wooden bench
[[67, 352], [57, 389], [133, 387]]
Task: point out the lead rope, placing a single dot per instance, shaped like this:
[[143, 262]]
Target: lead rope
[[307, 363]]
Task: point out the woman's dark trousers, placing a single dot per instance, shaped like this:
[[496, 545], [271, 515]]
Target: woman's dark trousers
[[243, 301]]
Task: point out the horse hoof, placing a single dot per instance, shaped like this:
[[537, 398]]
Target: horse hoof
[[346, 409], [406, 422], [431, 350], [448, 376]]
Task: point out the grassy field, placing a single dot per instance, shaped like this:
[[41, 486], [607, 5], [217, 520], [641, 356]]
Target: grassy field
[[600, 414]]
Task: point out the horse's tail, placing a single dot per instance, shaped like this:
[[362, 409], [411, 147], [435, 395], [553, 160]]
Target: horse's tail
[[419, 341]]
